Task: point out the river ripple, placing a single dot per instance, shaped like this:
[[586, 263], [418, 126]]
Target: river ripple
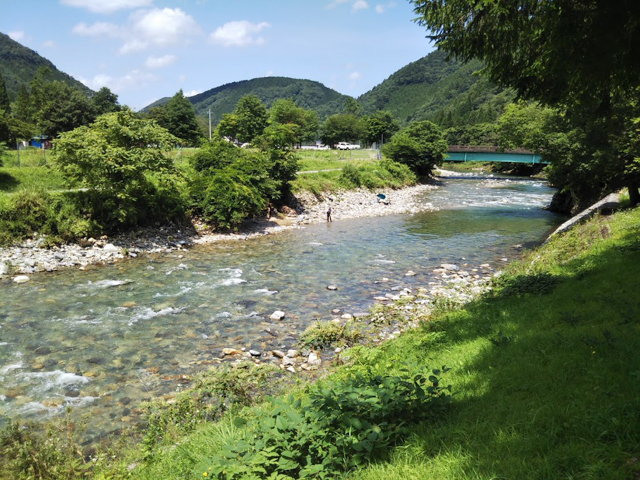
[[106, 338]]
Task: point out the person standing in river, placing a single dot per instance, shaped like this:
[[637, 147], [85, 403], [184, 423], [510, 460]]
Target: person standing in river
[[329, 219]]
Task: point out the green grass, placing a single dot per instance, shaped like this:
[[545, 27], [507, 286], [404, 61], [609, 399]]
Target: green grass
[[13, 179], [547, 384], [30, 157]]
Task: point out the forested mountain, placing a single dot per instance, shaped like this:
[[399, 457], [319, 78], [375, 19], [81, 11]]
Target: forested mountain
[[19, 64], [434, 88], [306, 93]]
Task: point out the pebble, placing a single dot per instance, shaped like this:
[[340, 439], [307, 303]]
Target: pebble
[[21, 279], [254, 353], [332, 287], [277, 315], [231, 351]]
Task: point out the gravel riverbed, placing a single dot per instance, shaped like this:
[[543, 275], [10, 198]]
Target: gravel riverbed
[[18, 262]]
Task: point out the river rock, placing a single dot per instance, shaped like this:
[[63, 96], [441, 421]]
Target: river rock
[[314, 359], [110, 248], [332, 287], [277, 315], [21, 279], [347, 316], [410, 273], [293, 353], [277, 353], [254, 353], [288, 361], [450, 266], [231, 351]]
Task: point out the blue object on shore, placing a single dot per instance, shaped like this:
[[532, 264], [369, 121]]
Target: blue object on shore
[[381, 196]]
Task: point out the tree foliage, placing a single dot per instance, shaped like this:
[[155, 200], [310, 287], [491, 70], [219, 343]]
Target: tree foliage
[[421, 146], [105, 101], [247, 121], [286, 112], [342, 127], [580, 57], [62, 108], [380, 126], [121, 160]]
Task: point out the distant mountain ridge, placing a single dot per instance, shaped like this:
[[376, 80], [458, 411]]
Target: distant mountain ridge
[[19, 64], [447, 92], [306, 93]]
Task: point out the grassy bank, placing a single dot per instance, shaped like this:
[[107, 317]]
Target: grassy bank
[[544, 375]]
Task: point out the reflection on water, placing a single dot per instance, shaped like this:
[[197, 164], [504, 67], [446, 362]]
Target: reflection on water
[[105, 338]]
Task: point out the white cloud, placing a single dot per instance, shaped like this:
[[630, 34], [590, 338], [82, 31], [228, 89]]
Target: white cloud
[[98, 29], [191, 93], [134, 80], [383, 7], [359, 5], [238, 34], [49, 44], [106, 6], [146, 28], [160, 62], [17, 36], [354, 76], [335, 3]]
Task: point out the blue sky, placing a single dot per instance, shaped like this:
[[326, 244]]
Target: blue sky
[[147, 49]]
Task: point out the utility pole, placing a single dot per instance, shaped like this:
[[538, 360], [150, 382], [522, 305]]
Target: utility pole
[[209, 124]]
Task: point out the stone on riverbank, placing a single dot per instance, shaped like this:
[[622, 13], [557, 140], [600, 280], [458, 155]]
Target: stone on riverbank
[[277, 315]]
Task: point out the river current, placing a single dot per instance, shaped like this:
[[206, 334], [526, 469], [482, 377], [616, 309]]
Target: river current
[[104, 339]]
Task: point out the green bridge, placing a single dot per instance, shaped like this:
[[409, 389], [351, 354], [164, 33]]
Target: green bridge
[[466, 153]]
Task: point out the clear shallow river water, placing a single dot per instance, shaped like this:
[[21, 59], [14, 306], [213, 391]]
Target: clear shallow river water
[[103, 339]]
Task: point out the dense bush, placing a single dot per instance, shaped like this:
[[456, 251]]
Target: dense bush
[[338, 426], [421, 146], [351, 176]]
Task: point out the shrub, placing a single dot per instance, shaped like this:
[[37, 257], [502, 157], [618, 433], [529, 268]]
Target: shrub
[[351, 176], [323, 335], [340, 425]]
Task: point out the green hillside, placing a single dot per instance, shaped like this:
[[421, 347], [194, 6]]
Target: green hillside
[[306, 93], [19, 64], [434, 88]]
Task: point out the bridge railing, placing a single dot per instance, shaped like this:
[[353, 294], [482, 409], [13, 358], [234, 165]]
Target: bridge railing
[[485, 149]]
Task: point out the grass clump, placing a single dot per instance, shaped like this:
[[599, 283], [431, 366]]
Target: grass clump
[[337, 426], [323, 335]]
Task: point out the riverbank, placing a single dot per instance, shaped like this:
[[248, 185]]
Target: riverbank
[[32, 256], [543, 371]]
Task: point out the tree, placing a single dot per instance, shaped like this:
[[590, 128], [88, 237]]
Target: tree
[[252, 118], [105, 101], [24, 107], [380, 127], [352, 107], [62, 108], [342, 127], [421, 146], [579, 56], [5, 104], [118, 158], [181, 119], [286, 112]]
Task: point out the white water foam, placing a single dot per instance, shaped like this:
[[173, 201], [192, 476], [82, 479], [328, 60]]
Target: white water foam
[[265, 291]]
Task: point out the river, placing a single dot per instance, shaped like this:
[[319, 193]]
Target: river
[[104, 339]]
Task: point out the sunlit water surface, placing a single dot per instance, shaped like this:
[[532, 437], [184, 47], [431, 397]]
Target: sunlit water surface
[[103, 339]]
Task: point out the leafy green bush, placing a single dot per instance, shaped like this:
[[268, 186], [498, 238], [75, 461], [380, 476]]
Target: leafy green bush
[[323, 335], [351, 176], [28, 451], [24, 213], [338, 426]]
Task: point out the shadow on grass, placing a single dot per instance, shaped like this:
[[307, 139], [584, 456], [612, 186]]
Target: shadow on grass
[[547, 385], [8, 182]]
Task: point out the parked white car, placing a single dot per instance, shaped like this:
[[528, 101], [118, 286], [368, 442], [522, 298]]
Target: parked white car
[[347, 146]]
